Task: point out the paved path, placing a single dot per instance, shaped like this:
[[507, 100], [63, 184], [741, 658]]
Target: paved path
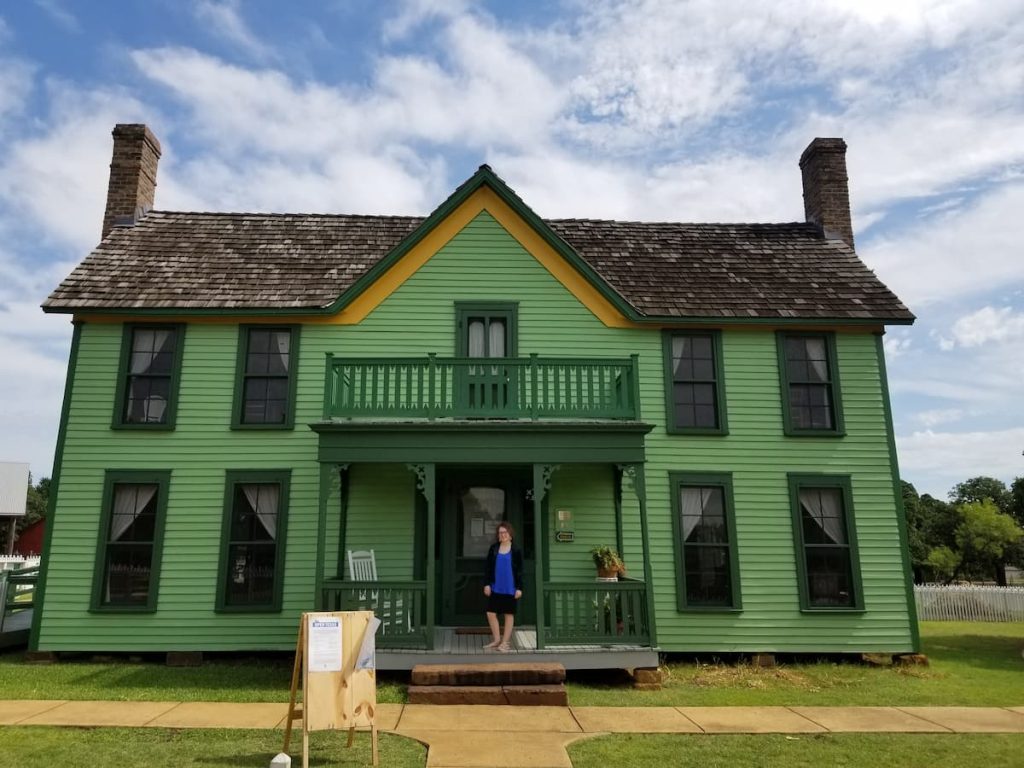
[[536, 737]]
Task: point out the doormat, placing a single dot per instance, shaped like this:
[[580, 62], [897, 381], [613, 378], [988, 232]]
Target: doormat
[[472, 631]]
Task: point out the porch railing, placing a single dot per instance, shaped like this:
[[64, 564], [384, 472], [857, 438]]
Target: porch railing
[[433, 387], [400, 605], [603, 613]]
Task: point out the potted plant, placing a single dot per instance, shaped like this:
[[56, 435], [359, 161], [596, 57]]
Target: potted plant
[[608, 561]]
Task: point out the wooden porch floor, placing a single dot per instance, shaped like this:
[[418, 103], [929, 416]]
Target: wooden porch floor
[[453, 648]]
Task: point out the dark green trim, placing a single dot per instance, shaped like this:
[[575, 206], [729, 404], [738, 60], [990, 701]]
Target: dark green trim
[[162, 479], [897, 491], [293, 368], [344, 478], [321, 534], [481, 442], [721, 408], [51, 506], [617, 498], [232, 478], [835, 386], [121, 397], [509, 310], [640, 486], [804, 480], [549, 535], [723, 480]]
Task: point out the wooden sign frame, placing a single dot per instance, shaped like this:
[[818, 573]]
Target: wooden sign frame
[[344, 696]]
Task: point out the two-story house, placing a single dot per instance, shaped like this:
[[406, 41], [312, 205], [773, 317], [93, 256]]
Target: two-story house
[[251, 397]]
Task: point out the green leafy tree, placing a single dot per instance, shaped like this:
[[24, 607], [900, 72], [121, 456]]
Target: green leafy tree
[[943, 563], [984, 537], [980, 488], [1017, 500], [35, 502]]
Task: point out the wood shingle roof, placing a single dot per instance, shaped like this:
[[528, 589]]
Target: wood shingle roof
[[242, 261]]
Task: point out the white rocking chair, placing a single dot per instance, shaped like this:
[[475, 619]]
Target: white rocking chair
[[362, 566]]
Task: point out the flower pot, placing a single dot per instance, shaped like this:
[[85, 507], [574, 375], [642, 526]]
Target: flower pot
[[608, 573]]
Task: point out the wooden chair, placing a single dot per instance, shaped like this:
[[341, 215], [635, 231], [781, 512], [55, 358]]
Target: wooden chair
[[362, 566]]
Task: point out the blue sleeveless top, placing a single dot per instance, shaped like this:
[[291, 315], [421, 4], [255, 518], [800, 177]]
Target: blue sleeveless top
[[503, 584]]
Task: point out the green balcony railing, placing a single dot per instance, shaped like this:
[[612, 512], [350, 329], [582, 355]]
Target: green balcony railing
[[603, 613], [433, 387], [400, 605]]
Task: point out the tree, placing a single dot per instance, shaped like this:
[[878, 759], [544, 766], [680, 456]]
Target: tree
[[984, 537], [35, 503], [1017, 500], [980, 488]]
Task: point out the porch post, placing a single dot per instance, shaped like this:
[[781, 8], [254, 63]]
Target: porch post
[[343, 476], [617, 481], [326, 471], [541, 483], [428, 487], [636, 473]]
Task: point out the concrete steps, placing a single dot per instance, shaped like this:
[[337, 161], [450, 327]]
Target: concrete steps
[[540, 684]]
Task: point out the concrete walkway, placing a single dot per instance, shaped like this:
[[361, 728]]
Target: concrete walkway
[[534, 737]]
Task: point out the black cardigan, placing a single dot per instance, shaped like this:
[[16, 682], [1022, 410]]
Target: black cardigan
[[517, 565]]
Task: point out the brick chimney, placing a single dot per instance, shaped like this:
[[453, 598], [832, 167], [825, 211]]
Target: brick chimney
[[132, 175], [826, 193]]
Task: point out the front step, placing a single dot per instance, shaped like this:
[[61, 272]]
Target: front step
[[541, 684]]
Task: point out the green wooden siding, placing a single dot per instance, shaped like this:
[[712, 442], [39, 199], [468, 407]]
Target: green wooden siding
[[482, 263]]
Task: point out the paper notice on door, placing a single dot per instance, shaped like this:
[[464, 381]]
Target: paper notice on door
[[476, 527], [324, 650]]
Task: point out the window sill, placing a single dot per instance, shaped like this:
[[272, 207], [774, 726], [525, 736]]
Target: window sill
[[144, 427], [237, 427], [708, 609], [247, 609], [833, 610], [122, 609], [815, 432], [695, 431]]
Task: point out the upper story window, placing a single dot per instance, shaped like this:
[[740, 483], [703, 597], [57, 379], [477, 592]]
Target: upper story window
[[707, 574], [811, 401], [148, 376], [826, 542], [265, 390], [694, 383], [486, 329], [130, 540]]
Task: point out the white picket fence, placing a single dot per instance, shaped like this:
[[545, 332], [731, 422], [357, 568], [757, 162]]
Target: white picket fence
[[964, 602], [14, 562]]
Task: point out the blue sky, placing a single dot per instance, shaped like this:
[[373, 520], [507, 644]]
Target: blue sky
[[649, 109]]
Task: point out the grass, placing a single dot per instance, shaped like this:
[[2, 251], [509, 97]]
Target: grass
[[803, 751], [973, 664], [39, 747]]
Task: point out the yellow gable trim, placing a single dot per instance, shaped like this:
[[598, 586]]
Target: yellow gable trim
[[483, 199]]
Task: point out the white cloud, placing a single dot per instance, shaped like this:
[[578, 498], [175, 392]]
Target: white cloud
[[413, 13], [895, 346], [224, 19], [931, 459], [934, 418], [61, 15], [988, 324]]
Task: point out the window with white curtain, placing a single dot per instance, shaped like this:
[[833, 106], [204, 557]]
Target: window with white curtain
[[253, 546], [128, 555], [696, 399], [708, 571], [810, 386], [268, 371], [825, 537], [149, 375]]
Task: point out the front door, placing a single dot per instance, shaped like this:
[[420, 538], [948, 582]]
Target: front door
[[473, 502]]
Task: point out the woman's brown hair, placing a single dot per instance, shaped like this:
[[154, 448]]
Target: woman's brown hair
[[508, 527]]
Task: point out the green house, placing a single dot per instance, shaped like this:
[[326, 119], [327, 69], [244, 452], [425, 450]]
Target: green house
[[252, 399]]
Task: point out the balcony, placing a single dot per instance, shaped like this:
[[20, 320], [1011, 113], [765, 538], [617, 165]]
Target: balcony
[[434, 387]]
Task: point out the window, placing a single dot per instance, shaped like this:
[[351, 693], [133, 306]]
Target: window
[[148, 376], [265, 392], [252, 551], [130, 540], [707, 567], [810, 384], [694, 391], [826, 551], [486, 330]]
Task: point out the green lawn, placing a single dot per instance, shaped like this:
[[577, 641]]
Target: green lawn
[[813, 751], [973, 664], [38, 747]]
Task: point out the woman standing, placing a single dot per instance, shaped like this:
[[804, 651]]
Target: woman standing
[[504, 586]]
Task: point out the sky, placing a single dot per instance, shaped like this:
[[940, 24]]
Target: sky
[[655, 110]]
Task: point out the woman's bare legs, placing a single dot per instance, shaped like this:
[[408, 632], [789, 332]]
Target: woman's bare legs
[[492, 621], [507, 637]]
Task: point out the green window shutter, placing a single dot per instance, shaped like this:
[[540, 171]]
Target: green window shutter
[[130, 543], [694, 383], [704, 528], [148, 376], [251, 571], [809, 380], [825, 539], [265, 377]]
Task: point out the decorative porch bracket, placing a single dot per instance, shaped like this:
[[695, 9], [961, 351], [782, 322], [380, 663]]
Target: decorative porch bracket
[[425, 484], [541, 485], [330, 483], [635, 472]]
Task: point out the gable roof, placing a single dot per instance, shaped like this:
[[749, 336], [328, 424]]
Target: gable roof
[[316, 263]]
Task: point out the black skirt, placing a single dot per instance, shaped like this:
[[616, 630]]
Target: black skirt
[[501, 604]]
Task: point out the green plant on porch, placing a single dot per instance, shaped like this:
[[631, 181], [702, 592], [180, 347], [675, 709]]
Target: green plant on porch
[[608, 561]]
